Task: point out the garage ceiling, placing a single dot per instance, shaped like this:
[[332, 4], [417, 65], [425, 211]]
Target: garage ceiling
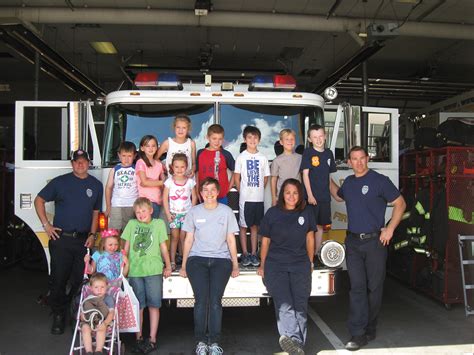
[[430, 60]]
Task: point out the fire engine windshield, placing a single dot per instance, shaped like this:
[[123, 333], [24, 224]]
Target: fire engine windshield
[[270, 120], [132, 121]]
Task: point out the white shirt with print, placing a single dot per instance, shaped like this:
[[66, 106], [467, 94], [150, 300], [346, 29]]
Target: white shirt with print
[[253, 168]]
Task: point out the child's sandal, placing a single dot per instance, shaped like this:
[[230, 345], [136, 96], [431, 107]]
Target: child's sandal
[[173, 266]]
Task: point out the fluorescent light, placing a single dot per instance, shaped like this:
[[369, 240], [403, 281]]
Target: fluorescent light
[[104, 47], [138, 65]]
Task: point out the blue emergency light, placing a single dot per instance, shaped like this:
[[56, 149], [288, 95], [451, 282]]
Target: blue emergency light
[[154, 80], [273, 83]]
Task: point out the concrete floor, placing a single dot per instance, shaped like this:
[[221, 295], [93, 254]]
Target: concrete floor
[[410, 323]]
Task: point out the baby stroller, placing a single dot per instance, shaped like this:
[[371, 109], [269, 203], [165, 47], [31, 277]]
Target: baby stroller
[[112, 345]]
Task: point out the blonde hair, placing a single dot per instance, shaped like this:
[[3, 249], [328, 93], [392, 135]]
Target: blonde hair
[[287, 131], [142, 201], [98, 276], [103, 239], [183, 118]]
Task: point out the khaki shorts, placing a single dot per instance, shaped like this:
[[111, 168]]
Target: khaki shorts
[[119, 217]]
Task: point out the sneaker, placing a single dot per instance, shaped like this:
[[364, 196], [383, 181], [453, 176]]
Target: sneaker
[[148, 347], [291, 346], [245, 260], [173, 266], [356, 343], [201, 348], [179, 259], [215, 349], [254, 260], [138, 346]]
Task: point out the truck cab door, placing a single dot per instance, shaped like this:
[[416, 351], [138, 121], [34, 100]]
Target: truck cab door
[[46, 132], [342, 124]]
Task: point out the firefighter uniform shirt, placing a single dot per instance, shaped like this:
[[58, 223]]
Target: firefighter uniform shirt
[[287, 230], [366, 200], [75, 199]]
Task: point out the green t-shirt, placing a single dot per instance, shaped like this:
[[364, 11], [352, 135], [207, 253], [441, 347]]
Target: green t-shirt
[[145, 253]]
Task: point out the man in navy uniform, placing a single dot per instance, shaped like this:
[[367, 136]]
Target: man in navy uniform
[[77, 197], [366, 194]]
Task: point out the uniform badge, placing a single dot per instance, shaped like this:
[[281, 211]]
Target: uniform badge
[[89, 193], [365, 189], [301, 220], [315, 161], [329, 161]]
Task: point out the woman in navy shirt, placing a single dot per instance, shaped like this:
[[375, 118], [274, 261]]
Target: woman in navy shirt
[[286, 263]]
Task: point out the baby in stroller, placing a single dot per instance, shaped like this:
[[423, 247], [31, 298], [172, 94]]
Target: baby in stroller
[[97, 312]]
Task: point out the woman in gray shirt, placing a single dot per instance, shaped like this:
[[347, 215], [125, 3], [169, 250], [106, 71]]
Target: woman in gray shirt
[[209, 259]]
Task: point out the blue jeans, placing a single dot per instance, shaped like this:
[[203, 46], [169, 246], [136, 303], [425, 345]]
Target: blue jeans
[[208, 278]]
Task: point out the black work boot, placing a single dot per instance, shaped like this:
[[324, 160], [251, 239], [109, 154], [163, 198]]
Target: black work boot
[[356, 342], [58, 324]]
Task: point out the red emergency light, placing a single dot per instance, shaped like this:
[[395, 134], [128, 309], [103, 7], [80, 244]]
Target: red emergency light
[[273, 83], [154, 80]]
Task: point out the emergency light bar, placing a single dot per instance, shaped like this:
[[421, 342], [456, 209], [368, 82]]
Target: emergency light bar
[[273, 83], [153, 80]]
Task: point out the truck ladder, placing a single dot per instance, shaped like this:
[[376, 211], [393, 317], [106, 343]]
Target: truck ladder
[[466, 258]]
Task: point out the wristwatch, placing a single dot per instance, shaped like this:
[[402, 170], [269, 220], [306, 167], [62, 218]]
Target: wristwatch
[[93, 235], [45, 224]]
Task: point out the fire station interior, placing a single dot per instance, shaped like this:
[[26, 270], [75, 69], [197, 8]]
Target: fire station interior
[[412, 56]]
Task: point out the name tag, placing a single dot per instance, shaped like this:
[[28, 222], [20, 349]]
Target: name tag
[[200, 220]]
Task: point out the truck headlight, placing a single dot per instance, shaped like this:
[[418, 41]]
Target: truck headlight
[[332, 253]]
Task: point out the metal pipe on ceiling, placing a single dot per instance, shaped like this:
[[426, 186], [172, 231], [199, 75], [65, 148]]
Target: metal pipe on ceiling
[[130, 16]]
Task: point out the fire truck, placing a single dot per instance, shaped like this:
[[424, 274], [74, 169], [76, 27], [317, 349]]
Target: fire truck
[[46, 133]]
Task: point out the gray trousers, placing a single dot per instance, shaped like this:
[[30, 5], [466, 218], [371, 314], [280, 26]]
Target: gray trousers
[[290, 290]]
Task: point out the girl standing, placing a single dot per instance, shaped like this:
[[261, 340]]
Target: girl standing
[[108, 259], [181, 143], [179, 196], [149, 171]]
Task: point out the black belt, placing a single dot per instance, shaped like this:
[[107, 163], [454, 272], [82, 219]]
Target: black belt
[[363, 236], [77, 235]]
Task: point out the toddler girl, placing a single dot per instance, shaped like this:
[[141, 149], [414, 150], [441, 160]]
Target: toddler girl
[[108, 259], [178, 198]]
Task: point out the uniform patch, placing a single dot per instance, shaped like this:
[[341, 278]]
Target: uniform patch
[[301, 220], [315, 161], [89, 193], [329, 161], [365, 189]]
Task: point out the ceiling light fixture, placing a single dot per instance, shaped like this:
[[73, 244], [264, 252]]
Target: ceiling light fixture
[[202, 7], [104, 47]]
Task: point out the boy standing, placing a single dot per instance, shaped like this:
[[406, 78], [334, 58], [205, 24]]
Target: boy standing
[[286, 165], [145, 243], [214, 161], [251, 176], [121, 189], [317, 164], [101, 303]]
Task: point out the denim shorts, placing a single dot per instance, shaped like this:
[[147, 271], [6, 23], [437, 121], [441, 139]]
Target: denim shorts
[[156, 210], [148, 289]]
